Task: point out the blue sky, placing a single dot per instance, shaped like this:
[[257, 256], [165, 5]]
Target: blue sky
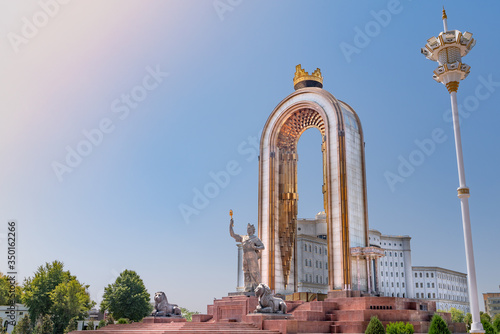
[[180, 91]]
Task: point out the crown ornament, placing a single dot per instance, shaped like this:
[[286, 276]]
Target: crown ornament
[[303, 79]]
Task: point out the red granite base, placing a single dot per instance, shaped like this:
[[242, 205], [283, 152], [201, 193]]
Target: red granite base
[[340, 312], [162, 320]]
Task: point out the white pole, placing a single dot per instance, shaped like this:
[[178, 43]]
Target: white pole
[[464, 195]]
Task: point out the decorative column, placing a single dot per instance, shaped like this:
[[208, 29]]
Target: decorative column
[[448, 49], [358, 272], [240, 284], [368, 273]]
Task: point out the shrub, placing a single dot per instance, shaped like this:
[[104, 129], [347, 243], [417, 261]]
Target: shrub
[[438, 326], [488, 328], [399, 328], [90, 326], [101, 324], [110, 320], [375, 326], [123, 321]]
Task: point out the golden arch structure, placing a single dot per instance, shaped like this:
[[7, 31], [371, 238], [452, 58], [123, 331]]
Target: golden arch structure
[[344, 186]]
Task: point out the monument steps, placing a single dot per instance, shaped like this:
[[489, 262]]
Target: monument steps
[[179, 327]]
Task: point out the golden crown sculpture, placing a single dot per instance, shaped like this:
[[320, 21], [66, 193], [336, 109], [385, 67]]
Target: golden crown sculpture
[[302, 75]]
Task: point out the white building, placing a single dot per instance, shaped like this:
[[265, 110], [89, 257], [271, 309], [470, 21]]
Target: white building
[[394, 270], [312, 255], [10, 314], [446, 287]]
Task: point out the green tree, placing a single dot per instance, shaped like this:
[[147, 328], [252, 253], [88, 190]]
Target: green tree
[[457, 315], [485, 316], [188, 314], [23, 326], [69, 300], [488, 328], [127, 297], [438, 326], [375, 326], [399, 328], [496, 323], [44, 325], [72, 326], [468, 320], [5, 285], [37, 289]]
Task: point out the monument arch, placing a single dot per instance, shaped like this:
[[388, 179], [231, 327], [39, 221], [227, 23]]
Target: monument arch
[[344, 186]]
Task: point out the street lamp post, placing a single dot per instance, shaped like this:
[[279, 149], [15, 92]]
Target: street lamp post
[[448, 49]]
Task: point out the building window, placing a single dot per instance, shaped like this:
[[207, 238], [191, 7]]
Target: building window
[[433, 295], [306, 262], [397, 285], [416, 285], [392, 284], [309, 247], [400, 254], [382, 283], [395, 264], [390, 263], [427, 275], [321, 266], [316, 278], [418, 294], [421, 285], [428, 284], [396, 274], [386, 263], [403, 285], [391, 274], [395, 254], [401, 264], [402, 274], [320, 250], [305, 248], [390, 253], [381, 273], [416, 275], [317, 266], [316, 249], [326, 265], [386, 273], [433, 285], [429, 295], [420, 275], [432, 275]]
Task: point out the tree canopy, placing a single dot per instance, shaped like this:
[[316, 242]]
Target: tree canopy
[[127, 297], [56, 293]]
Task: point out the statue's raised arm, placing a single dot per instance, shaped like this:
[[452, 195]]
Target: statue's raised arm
[[236, 237]]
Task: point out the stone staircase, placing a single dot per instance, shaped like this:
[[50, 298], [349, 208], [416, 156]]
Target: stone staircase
[[179, 327]]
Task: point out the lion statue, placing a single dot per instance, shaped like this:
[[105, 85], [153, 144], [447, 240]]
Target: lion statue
[[267, 302], [163, 308]]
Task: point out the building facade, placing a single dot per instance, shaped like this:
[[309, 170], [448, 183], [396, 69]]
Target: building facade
[[12, 314], [492, 303], [446, 287], [312, 254], [394, 270]]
